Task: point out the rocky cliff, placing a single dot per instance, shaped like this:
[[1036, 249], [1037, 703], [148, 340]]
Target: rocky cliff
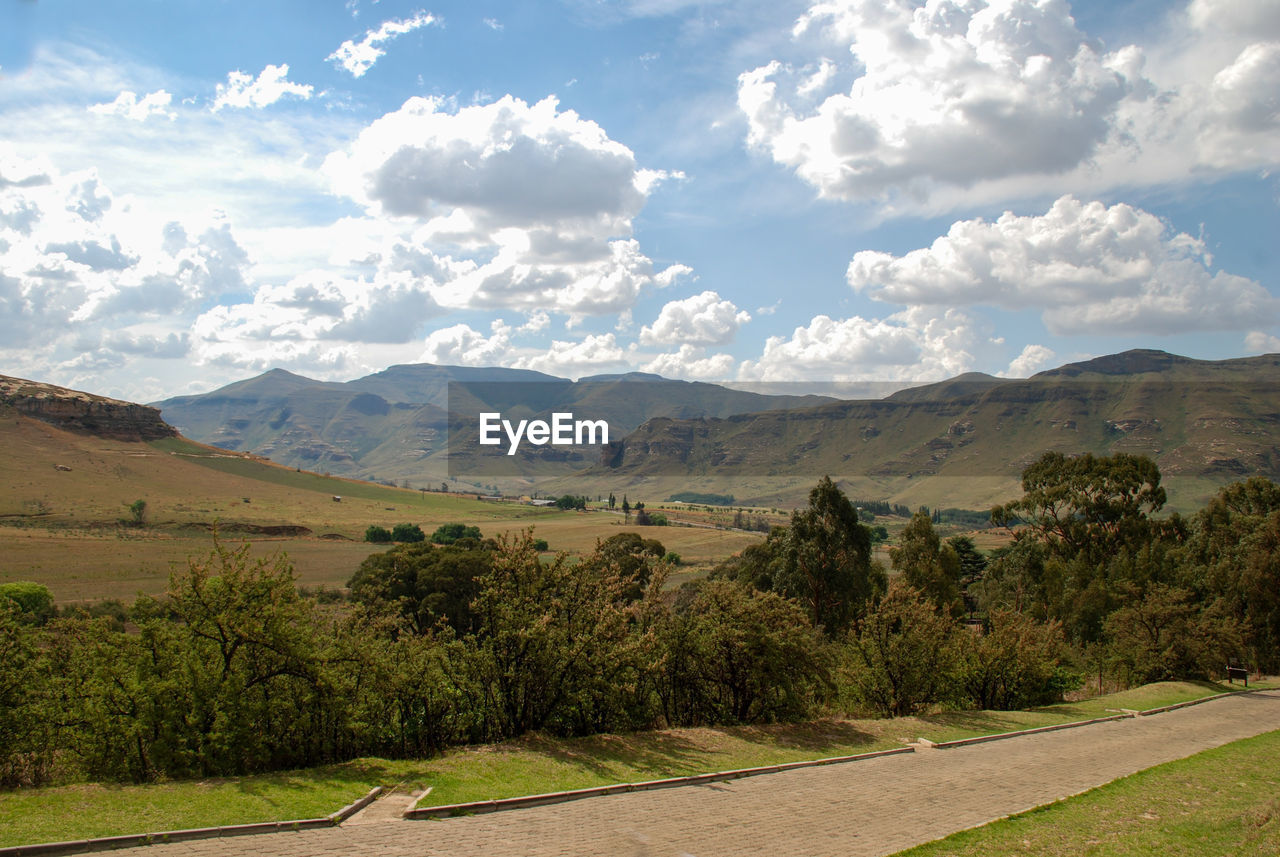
[[82, 412]]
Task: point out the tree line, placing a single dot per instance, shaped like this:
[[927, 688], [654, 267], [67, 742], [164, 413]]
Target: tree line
[[474, 640]]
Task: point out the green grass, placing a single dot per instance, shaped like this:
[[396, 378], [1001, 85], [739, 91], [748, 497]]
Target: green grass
[[531, 765], [84, 811], [1224, 801], [954, 725]]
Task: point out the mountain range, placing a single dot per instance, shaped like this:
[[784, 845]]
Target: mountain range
[[961, 442]]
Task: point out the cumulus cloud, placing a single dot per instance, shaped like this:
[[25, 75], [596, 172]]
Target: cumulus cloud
[[691, 363], [1262, 343], [358, 57], [1087, 267], [704, 319], [950, 93], [320, 306], [1032, 359], [941, 103], [533, 206], [591, 355], [916, 344], [462, 345], [128, 105], [271, 84]]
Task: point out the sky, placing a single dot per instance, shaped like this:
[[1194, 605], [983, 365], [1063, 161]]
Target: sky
[[725, 190]]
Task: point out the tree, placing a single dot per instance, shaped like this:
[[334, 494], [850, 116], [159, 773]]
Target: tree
[[735, 655], [1232, 558], [1086, 506], [407, 533], [424, 585], [377, 535], [447, 534], [554, 647], [138, 512], [1015, 663], [904, 656], [927, 564], [626, 509], [33, 602], [826, 563]]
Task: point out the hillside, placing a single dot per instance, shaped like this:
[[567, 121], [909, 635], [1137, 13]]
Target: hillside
[[394, 425], [965, 441], [71, 472]]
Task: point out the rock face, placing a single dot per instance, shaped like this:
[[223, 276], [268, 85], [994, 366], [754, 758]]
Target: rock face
[[83, 412]]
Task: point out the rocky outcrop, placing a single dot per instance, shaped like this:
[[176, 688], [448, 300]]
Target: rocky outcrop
[[83, 412]]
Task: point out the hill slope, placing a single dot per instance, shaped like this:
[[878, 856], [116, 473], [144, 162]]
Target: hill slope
[[394, 425], [1206, 423]]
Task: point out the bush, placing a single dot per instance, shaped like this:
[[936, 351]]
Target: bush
[[407, 533], [1016, 663], [377, 535], [904, 657], [33, 601], [447, 534]]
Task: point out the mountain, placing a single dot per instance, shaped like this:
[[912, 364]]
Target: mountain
[[77, 411], [965, 441], [394, 425]]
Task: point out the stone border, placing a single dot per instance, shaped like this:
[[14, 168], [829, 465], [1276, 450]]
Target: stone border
[[501, 804], [1126, 713], [134, 840], [1000, 736]]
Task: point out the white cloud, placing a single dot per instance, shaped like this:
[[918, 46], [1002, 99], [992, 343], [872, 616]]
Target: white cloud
[[271, 84], [128, 105], [1032, 359], [955, 102], [320, 306], [913, 345], [358, 57], [1259, 342], [532, 205], [592, 355], [950, 93], [507, 163], [461, 345], [704, 319], [692, 364], [1087, 267]]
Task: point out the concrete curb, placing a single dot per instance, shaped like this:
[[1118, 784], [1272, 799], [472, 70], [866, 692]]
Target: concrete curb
[[502, 804], [1000, 736], [1162, 709], [134, 840], [1126, 714]]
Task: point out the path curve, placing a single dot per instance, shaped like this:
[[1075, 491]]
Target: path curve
[[873, 807]]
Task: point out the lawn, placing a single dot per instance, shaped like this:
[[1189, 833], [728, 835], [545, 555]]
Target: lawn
[[1224, 801]]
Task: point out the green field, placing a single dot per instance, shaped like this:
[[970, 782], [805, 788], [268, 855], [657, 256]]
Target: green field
[[1224, 801]]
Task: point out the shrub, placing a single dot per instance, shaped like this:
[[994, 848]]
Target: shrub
[[447, 534], [377, 535], [407, 533]]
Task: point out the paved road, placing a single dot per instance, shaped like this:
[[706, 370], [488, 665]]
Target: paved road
[[873, 807]]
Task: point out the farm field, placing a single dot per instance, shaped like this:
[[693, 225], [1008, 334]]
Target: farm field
[[65, 515]]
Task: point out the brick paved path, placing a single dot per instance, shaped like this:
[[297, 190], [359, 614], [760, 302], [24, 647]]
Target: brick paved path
[[873, 807]]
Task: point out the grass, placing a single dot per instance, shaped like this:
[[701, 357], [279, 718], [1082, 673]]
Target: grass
[[62, 496], [85, 811], [1221, 801], [531, 765]]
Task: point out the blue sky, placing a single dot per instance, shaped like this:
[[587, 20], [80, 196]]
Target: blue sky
[[891, 191]]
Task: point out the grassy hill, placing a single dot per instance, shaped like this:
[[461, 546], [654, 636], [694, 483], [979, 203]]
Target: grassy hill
[[65, 519], [965, 442]]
